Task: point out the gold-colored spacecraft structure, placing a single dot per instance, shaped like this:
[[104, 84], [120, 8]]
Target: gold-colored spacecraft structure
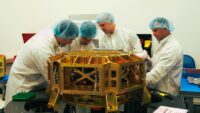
[[95, 78]]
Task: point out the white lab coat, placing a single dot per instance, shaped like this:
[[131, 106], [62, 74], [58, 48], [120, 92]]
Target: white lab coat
[[123, 39], [29, 70], [76, 46], [167, 64]]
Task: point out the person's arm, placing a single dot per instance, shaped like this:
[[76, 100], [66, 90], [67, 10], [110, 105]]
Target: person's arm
[[66, 48], [166, 62], [75, 45], [102, 43], [40, 57], [136, 46], [90, 46]]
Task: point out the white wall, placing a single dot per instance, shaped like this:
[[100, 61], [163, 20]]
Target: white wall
[[19, 16]]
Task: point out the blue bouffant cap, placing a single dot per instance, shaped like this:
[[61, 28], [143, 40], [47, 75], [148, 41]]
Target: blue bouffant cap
[[161, 22], [66, 29], [88, 29], [105, 17]]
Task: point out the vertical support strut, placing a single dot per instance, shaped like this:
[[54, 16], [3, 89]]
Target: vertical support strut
[[111, 103], [53, 98]]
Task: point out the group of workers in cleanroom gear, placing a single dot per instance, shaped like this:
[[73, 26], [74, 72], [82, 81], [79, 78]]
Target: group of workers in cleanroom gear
[[29, 70]]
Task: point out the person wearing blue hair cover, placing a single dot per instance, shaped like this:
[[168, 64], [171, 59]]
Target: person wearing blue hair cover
[[88, 31], [118, 38], [29, 70], [167, 59]]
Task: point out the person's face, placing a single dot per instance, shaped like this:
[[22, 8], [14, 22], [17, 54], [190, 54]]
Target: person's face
[[85, 41], [160, 33], [106, 27], [63, 42]]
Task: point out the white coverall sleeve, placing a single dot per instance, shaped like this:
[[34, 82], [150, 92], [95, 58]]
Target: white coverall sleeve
[[74, 46], [136, 46], [166, 62], [66, 48], [102, 43], [41, 57]]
